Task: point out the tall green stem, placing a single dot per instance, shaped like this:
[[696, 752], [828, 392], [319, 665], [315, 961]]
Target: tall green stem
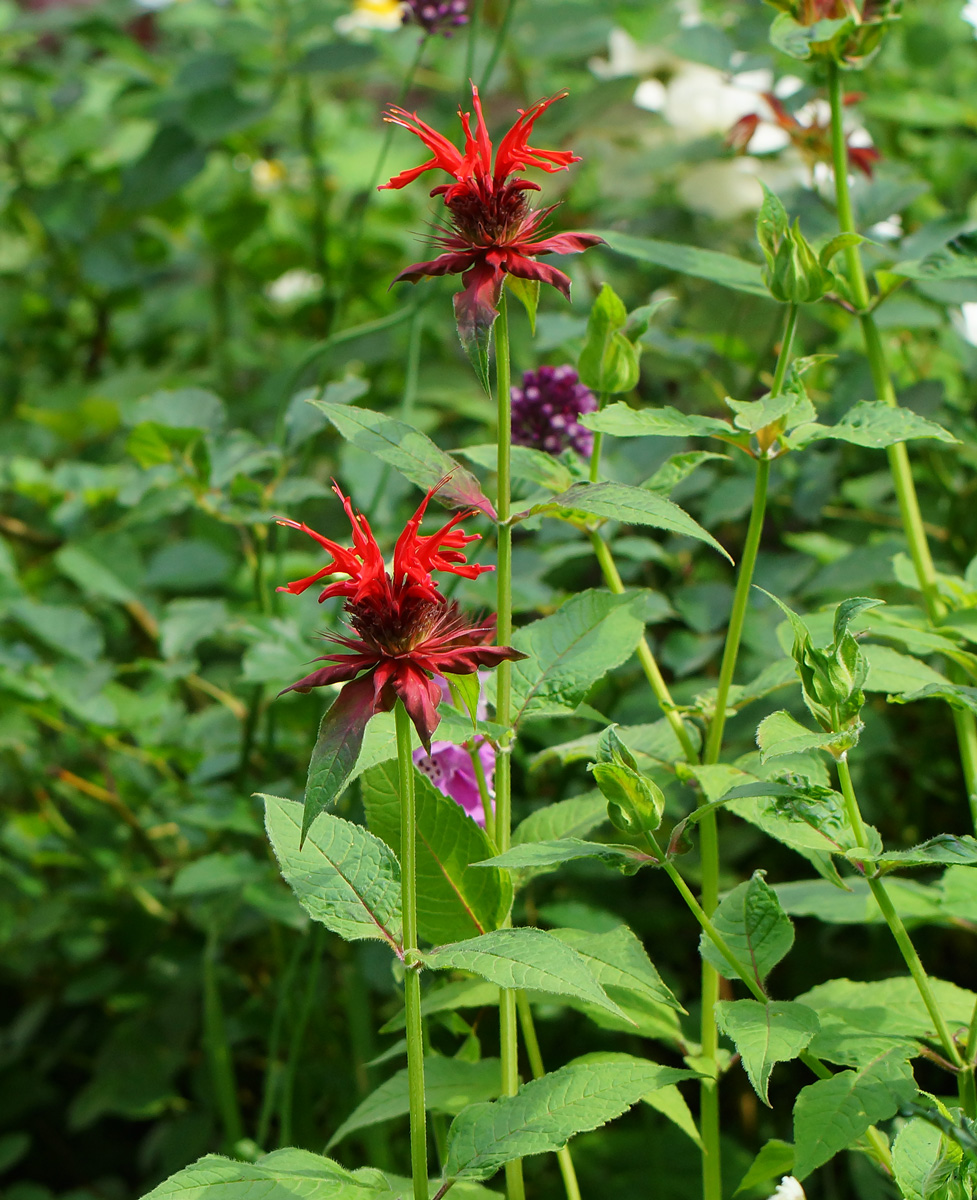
[[412, 977], [508, 1031], [965, 723], [894, 921], [218, 1051]]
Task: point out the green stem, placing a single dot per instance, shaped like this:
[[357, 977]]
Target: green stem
[[649, 665], [965, 723], [531, 1042], [894, 921], [218, 1051], [412, 977], [275, 1068], [310, 997], [594, 473], [474, 20], [497, 47], [508, 1032], [483, 790]]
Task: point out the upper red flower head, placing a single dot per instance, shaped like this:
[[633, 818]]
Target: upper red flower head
[[407, 632], [493, 230]]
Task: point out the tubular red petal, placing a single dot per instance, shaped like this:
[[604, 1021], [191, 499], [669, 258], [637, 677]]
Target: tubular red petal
[[515, 153], [446, 156]]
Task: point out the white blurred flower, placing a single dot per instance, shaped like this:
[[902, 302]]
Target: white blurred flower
[[626, 57], [701, 100], [723, 189], [966, 322], [788, 1189], [382, 15], [969, 13], [889, 230], [297, 284]]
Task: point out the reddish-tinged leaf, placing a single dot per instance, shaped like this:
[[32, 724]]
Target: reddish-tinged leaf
[[337, 748]]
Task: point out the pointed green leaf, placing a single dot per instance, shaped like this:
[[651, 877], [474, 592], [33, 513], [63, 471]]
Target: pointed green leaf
[[754, 926], [621, 420], [279, 1174], [765, 1034], [455, 899], [678, 468], [914, 1155], [720, 268], [337, 748], [526, 292], [342, 875], [874, 424], [411, 452], [621, 965], [630, 506], [537, 856], [450, 1084], [670, 1102], [575, 817], [532, 466], [465, 693], [780, 734], [775, 1159], [545, 1113], [832, 1114], [957, 695], [592, 633], [524, 958]]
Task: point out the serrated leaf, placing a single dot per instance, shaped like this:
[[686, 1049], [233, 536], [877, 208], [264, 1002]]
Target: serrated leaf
[[620, 420], [630, 506], [455, 899], [337, 748], [957, 695], [291, 1171], [719, 268], [678, 468], [575, 817], [874, 424], [914, 1155], [889, 671], [780, 734], [775, 1159], [411, 452], [797, 40], [620, 964], [536, 856], [765, 1034], [341, 874], [753, 415], [754, 926], [532, 466], [946, 849], [592, 633], [545, 1113], [524, 958], [832, 1114], [450, 1084]]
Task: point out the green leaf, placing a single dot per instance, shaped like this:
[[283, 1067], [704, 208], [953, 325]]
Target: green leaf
[[217, 873], [448, 997], [889, 671], [185, 623], [275, 1176], [545, 1113], [630, 506], [754, 926], [775, 1159], [538, 856], [634, 802], [957, 695], [92, 576], [566, 818], [342, 875], [69, 631], [914, 1155], [593, 632], [765, 1034], [465, 693], [620, 964], [771, 224], [621, 420], [946, 849], [753, 415], [450, 1084], [456, 899], [855, 905], [677, 468], [532, 466], [608, 362], [337, 748], [832, 1114], [411, 452], [780, 734], [720, 268], [670, 1102], [524, 958], [797, 40], [526, 292], [874, 424]]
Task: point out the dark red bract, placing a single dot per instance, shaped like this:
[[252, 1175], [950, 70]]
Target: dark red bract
[[493, 230], [405, 632]]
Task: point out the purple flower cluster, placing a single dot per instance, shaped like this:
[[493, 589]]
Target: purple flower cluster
[[436, 16], [450, 769], [545, 411]]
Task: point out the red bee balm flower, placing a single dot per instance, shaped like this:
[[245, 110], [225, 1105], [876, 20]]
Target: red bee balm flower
[[493, 230], [406, 631]]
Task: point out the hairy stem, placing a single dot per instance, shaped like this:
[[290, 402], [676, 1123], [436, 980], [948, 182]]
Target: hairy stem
[[412, 977], [508, 1032], [965, 723]]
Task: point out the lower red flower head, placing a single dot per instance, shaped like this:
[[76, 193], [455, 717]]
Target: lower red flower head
[[404, 631]]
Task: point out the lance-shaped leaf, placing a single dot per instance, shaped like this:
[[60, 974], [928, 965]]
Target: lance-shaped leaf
[[341, 874], [450, 1084], [337, 748], [524, 958], [874, 424], [455, 899], [475, 318], [544, 1114], [275, 1176], [765, 1034], [780, 734], [621, 965], [592, 633], [532, 466], [411, 452], [538, 856], [754, 926], [833, 1114], [621, 420], [719, 268], [629, 505], [957, 695]]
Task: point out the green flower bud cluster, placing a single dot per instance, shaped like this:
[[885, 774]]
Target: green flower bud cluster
[[634, 803], [796, 273]]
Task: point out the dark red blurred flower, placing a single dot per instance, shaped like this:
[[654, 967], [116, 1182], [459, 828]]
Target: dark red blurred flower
[[493, 231], [813, 141], [405, 632]]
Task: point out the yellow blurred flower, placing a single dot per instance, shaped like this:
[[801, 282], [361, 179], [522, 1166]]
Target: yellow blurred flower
[[385, 15]]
